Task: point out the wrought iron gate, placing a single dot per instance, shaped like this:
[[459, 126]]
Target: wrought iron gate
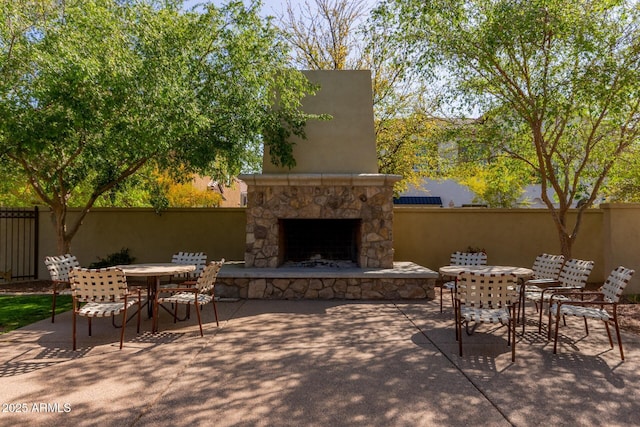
[[18, 243]]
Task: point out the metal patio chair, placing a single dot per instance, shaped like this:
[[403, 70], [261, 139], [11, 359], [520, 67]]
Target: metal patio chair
[[573, 276], [199, 259], [59, 268], [486, 298], [600, 305], [102, 293], [461, 258], [546, 269], [200, 294]]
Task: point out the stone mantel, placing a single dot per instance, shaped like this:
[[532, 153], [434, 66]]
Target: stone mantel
[[321, 179]]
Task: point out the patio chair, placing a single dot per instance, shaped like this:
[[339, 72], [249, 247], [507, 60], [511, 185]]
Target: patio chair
[[486, 298], [102, 293], [607, 297], [461, 258], [59, 268], [546, 269], [573, 275], [199, 295], [199, 259]]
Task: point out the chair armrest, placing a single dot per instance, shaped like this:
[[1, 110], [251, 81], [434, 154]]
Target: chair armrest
[[571, 293], [137, 291], [560, 289], [587, 303], [179, 289], [537, 282]]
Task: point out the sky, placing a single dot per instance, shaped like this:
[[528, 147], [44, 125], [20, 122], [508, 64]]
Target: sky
[[269, 7]]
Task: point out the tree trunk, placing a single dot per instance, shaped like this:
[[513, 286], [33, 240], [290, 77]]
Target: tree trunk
[[63, 244]]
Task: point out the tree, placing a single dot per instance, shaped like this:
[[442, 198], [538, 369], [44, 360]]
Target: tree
[[91, 91], [322, 33], [560, 78], [335, 35]]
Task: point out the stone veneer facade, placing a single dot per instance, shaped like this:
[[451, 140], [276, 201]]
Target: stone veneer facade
[[350, 288], [272, 197]]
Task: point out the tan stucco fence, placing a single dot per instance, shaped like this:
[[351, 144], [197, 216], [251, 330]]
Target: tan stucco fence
[[609, 235]]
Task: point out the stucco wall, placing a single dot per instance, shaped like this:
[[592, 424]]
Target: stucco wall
[[610, 236], [151, 237], [347, 142], [427, 236]]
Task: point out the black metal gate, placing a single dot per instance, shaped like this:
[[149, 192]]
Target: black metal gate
[[18, 243]]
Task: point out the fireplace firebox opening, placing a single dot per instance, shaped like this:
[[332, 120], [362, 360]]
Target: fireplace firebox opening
[[319, 240]]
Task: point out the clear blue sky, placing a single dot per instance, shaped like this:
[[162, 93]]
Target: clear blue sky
[[269, 7]]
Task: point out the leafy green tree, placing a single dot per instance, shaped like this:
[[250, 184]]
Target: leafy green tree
[[562, 75], [91, 91]]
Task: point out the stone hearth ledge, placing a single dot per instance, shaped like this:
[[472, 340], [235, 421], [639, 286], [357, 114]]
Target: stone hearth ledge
[[400, 270], [406, 280]]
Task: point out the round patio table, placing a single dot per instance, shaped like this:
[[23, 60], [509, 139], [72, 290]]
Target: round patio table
[[153, 271], [454, 270]]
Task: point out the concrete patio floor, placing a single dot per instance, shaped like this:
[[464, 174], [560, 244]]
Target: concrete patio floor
[[315, 363]]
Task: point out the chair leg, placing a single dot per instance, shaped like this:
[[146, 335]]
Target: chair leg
[[540, 316], [175, 313], [199, 319], [586, 327], [53, 304], [555, 341], [606, 325], [441, 286], [615, 321], [124, 323], [215, 310], [74, 328], [89, 321], [459, 332], [139, 310], [456, 319], [512, 325]]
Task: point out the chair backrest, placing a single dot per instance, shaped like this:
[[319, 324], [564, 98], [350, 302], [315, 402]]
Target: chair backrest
[[468, 258], [487, 290], [575, 273], [207, 278], [60, 266], [98, 284], [547, 266], [199, 259], [615, 283]]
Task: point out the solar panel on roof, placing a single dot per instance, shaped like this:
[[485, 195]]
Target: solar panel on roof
[[418, 200]]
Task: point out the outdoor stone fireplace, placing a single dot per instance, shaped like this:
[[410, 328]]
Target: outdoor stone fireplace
[[324, 229], [355, 211]]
